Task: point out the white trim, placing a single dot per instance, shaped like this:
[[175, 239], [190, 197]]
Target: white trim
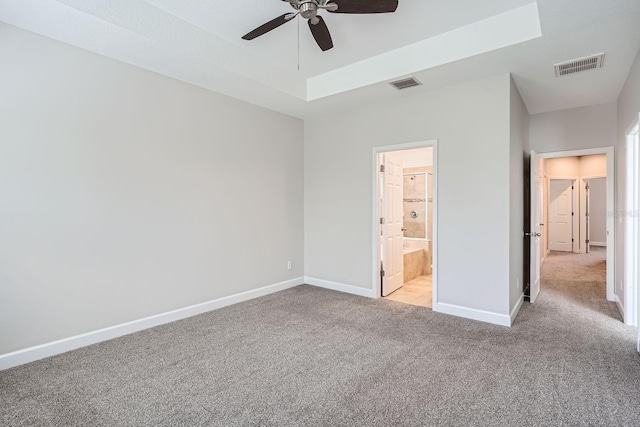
[[375, 255], [473, 314], [576, 153], [38, 352], [611, 207], [516, 309], [341, 287], [631, 225], [597, 243]]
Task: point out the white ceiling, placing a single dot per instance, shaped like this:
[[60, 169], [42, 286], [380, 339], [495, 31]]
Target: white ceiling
[[440, 42]]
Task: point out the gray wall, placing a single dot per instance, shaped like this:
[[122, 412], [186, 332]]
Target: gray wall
[[574, 129], [127, 194], [519, 150], [471, 123], [628, 110], [581, 128]]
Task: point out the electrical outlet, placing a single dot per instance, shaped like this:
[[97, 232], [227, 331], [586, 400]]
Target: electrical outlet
[[289, 265]]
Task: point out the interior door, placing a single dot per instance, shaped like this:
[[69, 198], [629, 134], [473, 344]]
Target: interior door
[[561, 215], [392, 224], [536, 215], [587, 216]]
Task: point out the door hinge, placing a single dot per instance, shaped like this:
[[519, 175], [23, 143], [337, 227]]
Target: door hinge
[[587, 241], [572, 187], [571, 240], [381, 168], [381, 273], [571, 213], [382, 221]]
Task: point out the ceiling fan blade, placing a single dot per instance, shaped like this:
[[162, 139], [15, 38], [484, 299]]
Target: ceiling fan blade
[[265, 28], [321, 33], [365, 6]]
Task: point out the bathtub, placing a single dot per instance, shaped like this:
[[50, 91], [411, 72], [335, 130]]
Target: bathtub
[[416, 258]]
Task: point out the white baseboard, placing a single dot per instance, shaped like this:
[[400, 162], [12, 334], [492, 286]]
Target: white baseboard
[[516, 309], [598, 243], [349, 289], [31, 354], [473, 314], [620, 306]]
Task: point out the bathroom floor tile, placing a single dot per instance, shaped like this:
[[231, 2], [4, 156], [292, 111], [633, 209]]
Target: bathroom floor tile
[[416, 292]]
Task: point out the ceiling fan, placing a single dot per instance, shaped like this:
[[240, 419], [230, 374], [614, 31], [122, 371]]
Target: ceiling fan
[[309, 9]]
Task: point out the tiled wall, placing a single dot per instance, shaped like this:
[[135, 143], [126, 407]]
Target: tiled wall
[[414, 201], [417, 263]]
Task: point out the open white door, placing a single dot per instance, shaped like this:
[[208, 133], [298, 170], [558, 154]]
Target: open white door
[[536, 206], [587, 214], [392, 221], [561, 215]]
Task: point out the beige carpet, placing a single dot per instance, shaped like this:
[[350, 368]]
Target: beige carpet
[[310, 356], [579, 279]]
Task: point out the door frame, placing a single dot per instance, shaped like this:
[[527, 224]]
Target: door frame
[[611, 223], [377, 254], [631, 312]]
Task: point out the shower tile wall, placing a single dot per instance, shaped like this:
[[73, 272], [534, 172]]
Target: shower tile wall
[[414, 195], [414, 203]]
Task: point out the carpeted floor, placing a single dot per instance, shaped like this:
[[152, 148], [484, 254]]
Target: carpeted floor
[[309, 356]]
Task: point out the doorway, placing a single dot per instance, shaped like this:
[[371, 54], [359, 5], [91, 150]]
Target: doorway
[[405, 223], [595, 227], [567, 209]]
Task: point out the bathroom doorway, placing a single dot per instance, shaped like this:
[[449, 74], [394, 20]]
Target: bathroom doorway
[[405, 224]]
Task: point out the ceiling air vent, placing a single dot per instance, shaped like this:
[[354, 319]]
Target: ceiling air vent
[[405, 83], [578, 65]]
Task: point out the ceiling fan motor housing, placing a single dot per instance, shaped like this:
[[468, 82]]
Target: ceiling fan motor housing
[[308, 9]]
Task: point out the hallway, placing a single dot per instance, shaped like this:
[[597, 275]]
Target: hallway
[[578, 280]]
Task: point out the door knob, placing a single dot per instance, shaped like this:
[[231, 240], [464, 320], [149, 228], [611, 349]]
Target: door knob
[[526, 233], [403, 229]]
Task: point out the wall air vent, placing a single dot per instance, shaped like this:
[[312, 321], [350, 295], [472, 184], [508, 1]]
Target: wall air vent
[[405, 83], [577, 65]]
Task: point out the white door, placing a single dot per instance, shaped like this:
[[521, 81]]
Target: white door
[[536, 215], [587, 215], [561, 215], [392, 228]]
